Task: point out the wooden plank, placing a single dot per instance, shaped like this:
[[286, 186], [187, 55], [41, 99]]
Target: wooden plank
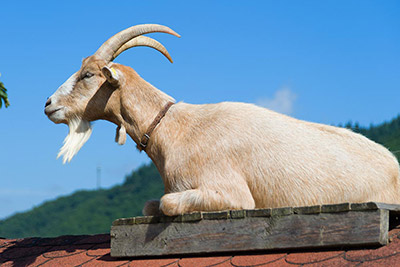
[[251, 230], [393, 208]]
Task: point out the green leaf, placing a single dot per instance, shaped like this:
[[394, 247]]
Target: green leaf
[[3, 96]]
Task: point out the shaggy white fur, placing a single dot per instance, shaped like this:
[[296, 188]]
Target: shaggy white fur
[[79, 132], [120, 136]]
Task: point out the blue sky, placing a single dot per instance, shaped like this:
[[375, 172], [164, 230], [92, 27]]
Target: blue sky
[[321, 61]]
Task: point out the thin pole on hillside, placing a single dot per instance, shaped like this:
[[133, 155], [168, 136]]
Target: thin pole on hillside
[[98, 177]]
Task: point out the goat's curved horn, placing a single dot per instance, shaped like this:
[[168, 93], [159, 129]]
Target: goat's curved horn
[[143, 41], [111, 46]]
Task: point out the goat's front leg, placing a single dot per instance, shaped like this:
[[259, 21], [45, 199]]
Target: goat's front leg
[[205, 200]]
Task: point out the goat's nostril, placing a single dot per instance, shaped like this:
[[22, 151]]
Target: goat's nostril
[[48, 102]]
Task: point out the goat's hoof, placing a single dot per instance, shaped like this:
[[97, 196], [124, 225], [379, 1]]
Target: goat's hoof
[[170, 205], [152, 208]]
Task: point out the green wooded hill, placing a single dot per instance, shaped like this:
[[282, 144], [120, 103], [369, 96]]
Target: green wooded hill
[[92, 212], [87, 212]]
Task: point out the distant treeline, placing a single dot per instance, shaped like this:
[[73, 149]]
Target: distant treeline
[[387, 133], [87, 212], [92, 212]]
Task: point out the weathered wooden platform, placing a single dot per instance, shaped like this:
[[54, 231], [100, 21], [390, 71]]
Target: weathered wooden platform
[[341, 225]]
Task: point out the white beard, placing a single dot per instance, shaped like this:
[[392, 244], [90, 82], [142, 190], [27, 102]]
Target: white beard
[[79, 132]]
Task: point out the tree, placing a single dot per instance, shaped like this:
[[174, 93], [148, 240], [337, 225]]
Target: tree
[[3, 96]]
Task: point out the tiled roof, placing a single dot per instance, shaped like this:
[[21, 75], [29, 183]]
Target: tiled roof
[[95, 251]]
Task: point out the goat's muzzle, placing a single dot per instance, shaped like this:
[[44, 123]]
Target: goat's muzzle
[[55, 113]]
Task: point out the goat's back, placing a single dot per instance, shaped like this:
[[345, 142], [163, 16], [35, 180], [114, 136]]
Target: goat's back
[[285, 161]]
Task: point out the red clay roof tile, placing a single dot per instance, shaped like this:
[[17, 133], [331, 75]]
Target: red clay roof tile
[[35, 241], [312, 257], [17, 253], [252, 260], [154, 263], [94, 239], [63, 251], [388, 261], [333, 262], [205, 261], [94, 250], [99, 250], [27, 261], [279, 263], [392, 249], [106, 261], [69, 260]]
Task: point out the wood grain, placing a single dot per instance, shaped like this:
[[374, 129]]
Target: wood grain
[[251, 230]]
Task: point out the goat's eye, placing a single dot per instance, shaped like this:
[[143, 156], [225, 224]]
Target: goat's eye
[[87, 75]]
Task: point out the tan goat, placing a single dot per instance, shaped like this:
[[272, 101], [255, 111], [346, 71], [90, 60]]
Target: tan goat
[[219, 156]]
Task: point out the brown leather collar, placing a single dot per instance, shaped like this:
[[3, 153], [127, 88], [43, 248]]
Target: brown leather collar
[[145, 138]]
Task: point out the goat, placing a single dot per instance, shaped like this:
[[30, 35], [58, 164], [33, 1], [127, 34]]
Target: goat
[[219, 156]]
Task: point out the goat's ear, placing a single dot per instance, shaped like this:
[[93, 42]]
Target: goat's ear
[[112, 75]]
